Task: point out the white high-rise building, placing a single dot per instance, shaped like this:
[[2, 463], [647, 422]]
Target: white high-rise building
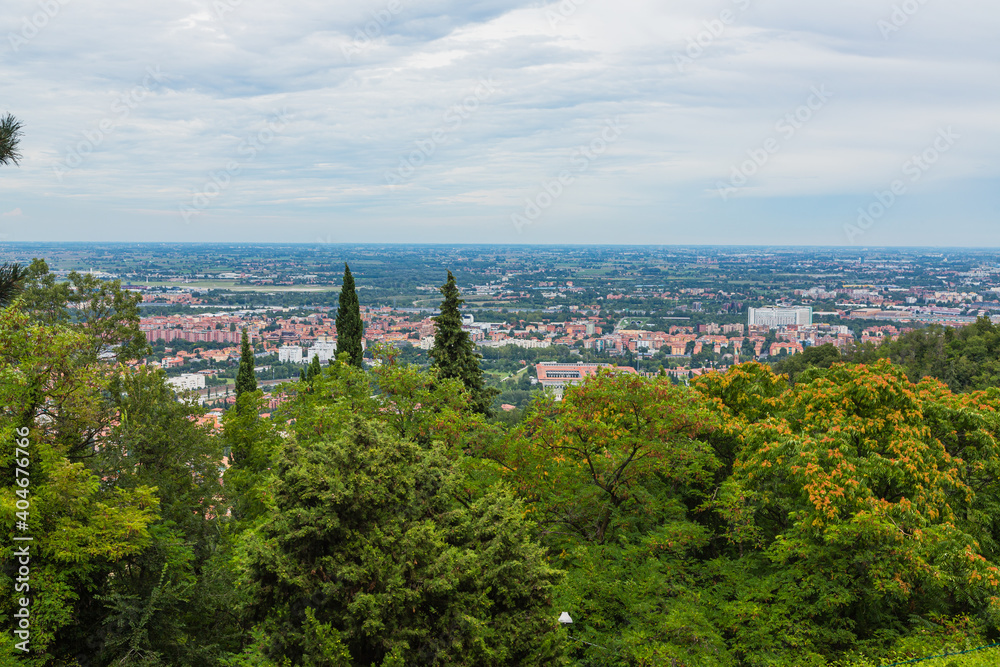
[[775, 317], [324, 349], [290, 354], [187, 381]]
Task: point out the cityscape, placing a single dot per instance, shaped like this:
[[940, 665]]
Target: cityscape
[[614, 390], [679, 311], [479, 333]]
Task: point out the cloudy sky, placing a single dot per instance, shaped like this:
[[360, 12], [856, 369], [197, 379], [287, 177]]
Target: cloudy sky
[[865, 122]]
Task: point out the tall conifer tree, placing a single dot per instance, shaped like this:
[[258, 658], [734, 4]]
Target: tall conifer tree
[[453, 353], [245, 378], [315, 369], [350, 328]]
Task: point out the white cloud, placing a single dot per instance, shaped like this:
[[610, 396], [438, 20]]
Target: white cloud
[[353, 119]]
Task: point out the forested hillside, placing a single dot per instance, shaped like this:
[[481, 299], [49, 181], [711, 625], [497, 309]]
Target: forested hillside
[[380, 518]]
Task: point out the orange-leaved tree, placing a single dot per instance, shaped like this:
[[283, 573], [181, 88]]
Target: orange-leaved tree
[[615, 475], [849, 495]]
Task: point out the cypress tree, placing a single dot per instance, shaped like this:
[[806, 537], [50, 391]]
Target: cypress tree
[[245, 378], [314, 368], [453, 353], [350, 328]]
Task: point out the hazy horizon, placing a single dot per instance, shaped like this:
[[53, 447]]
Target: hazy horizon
[[775, 246]]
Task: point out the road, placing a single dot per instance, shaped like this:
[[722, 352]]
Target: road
[[228, 390]]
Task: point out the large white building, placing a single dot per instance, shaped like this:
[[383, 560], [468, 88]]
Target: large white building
[[775, 317], [555, 376], [325, 348], [519, 342], [187, 381], [290, 354]]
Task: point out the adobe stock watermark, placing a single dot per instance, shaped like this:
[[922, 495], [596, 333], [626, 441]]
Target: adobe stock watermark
[[913, 169], [787, 127], [223, 7], [551, 190], [219, 181], [452, 119], [122, 107], [365, 35], [23, 454], [562, 12], [900, 16], [714, 29], [34, 24]]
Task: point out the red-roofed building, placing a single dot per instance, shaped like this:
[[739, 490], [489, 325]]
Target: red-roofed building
[[555, 376], [790, 348]]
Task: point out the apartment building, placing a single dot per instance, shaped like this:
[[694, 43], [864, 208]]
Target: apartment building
[[774, 316], [187, 382]]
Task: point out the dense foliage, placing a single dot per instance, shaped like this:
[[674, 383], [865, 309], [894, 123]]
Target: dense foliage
[[10, 139], [453, 353], [380, 518], [820, 356], [246, 379], [11, 282], [965, 359], [369, 550]]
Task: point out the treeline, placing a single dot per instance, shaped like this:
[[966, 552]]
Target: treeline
[[965, 358], [381, 517]]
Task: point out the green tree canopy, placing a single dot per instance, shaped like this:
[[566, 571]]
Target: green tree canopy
[[821, 356], [10, 139], [104, 311], [846, 512], [369, 559], [171, 602], [412, 403], [964, 358], [314, 369], [613, 474], [52, 397], [453, 353], [850, 517], [246, 378], [12, 278], [350, 328], [252, 442], [618, 451]]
